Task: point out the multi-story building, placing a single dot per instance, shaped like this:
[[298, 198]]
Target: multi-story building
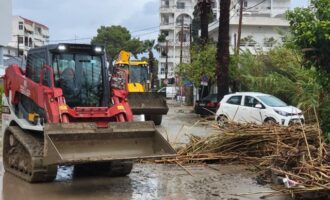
[[27, 34], [175, 19], [263, 24]]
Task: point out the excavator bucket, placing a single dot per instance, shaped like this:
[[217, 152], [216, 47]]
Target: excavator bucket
[[147, 103], [75, 143]]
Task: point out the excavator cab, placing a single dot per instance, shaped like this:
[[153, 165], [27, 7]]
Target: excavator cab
[[142, 101]]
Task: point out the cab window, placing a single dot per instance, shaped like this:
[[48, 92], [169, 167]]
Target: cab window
[[35, 61], [235, 100]]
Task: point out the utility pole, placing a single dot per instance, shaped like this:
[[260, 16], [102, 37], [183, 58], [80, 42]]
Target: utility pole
[[166, 61], [239, 27], [17, 45], [181, 37]]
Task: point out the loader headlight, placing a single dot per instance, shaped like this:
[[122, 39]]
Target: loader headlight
[[98, 49], [61, 47]]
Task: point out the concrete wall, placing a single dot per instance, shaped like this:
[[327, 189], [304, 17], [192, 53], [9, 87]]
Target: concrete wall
[[5, 21]]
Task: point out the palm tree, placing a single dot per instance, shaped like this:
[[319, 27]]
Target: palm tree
[[150, 44], [204, 8], [222, 70]]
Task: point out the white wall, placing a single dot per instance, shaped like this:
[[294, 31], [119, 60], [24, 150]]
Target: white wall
[[5, 21]]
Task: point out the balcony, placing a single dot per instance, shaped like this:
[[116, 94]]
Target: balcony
[[167, 25], [166, 9], [177, 44]]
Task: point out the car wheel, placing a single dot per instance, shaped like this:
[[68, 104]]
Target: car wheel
[[270, 121], [222, 120]]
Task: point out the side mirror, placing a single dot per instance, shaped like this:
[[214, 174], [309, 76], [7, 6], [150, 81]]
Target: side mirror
[[258, 105]]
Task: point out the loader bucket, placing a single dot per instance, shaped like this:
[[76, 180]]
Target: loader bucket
[[74, 143], [147, 103]]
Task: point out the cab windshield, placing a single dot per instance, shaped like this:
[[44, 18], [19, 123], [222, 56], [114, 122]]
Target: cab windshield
[[138, 74], [80, 77]]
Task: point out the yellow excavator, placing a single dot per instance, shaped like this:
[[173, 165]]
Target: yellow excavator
[[141, 99]]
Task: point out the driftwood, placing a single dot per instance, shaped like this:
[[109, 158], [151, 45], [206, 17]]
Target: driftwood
[[297, 152]]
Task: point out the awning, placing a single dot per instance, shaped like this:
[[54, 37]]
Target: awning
[[28, 28]]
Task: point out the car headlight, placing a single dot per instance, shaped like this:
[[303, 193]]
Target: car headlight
[[283, 113]]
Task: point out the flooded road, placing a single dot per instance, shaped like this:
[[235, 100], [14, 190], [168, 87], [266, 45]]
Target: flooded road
[[147, 181]]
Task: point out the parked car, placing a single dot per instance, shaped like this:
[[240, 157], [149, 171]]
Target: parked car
[[207, 105], [254, 107], [169, 91]]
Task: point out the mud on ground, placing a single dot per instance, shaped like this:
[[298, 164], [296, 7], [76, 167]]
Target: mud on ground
[[147, 181]]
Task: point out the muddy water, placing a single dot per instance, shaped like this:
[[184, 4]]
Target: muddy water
[[147, 181]]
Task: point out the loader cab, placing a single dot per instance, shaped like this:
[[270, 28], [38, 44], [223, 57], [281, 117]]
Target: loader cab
[[80, 70]]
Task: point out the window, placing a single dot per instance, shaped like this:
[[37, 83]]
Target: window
[[250, 101], [166, 4], [162, 70], [272, 101], [26, 41], [245, 4], [166, 20], [236, 100], [80, 77], [38, 30], [35, 61], [20, 40], [180, 5], [20, 25]]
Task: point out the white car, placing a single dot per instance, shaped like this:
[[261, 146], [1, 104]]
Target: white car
[[170, 91], [259, 108]]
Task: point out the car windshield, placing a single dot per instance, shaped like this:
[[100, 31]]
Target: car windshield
[[80, 77], [272, 101]]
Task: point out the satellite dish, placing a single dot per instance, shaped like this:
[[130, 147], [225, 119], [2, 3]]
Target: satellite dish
[[5, 21]]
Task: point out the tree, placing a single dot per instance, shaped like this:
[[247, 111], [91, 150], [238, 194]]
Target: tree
[[310, 29], [116, 38], [204, 8], [150, 44], [222, 69], [203, 64], [203, 15]]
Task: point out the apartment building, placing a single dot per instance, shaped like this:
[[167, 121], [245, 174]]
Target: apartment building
[[175, 19], [263, 26], [26, 34]]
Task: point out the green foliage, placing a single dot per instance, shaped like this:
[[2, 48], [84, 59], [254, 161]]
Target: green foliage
[[310, 28], [203, 63], [116, 38], [279, 73], [162, 37]]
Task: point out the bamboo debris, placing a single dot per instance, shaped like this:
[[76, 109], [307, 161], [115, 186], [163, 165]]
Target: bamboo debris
[[297, 152]]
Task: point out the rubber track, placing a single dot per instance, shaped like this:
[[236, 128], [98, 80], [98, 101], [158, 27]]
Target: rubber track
[[34, 147]]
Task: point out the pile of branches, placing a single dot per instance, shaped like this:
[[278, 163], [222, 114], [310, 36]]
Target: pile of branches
[[296, 152]]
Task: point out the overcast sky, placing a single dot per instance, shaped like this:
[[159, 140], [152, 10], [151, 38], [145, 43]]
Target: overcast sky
[[70, 19]]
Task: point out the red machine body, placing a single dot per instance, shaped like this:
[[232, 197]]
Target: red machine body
[[51, 99]]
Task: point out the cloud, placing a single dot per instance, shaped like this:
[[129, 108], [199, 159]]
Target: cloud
[[144, 24]]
